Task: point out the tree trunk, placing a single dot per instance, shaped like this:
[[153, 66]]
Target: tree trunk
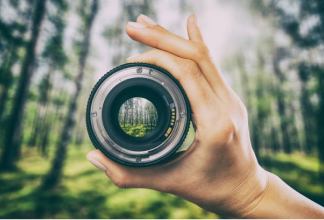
[[320, 124], [5, 91], [13, 135], [55, 173], [308, 119], [36, 125], [79, 135], [150, 115], [320, 113], [125, 113], [3, 98], [247, 95], [283, 123], [6, 75], [46, 128], [277, 56], [42, 108], [132, 113]]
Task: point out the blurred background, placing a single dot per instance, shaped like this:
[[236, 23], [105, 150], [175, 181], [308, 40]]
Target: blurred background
[[52, 52]]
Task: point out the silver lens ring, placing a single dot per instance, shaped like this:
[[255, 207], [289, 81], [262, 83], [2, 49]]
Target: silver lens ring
[[169, 138]]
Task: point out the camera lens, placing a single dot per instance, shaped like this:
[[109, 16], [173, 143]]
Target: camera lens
[[138, 114]]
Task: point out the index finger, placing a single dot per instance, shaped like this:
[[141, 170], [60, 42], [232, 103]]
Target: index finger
[[156, 37]]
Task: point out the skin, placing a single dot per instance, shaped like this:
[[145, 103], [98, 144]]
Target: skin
[[219, 172]]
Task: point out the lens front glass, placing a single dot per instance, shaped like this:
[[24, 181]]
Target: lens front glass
[[137, 117]]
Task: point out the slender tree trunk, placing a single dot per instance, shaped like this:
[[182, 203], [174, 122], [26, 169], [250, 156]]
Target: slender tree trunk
[[45, 131], [55, 173], [275, 141], [79, 137], [281, 102], [247, 93], [36, 125], [320, 124], [3, 99], [4, 95], [41, 113], [308, 119], [79, 132], [125, 114], [294, 131], [6, 76], [320, 113], [284, 124], [45, 139], [13, 136], [58, 112], [150, 114], [132, 114]]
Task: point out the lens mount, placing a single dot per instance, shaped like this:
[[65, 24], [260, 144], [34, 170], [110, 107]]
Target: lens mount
[[153, 84]]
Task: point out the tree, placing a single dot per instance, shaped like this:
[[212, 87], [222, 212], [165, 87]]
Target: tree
[[55, 173], [11, 40], [307, 41], [284, 125], [55, 58], [118, 41], [307, 109], [13, 136]]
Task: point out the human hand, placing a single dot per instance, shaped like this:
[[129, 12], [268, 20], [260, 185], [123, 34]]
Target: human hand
[[219, 172]]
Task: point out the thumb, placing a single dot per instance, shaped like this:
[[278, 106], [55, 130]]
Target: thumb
[[193, 29], [153, 177]]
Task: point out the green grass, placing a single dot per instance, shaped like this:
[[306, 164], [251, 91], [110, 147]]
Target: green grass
[[137, 130], [85, 192], [298, 171]]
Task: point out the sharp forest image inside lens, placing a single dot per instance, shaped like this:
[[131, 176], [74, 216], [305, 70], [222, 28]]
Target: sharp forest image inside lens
[[138, 115]]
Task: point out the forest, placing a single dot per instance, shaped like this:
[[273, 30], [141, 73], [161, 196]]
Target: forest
[[137, 117], [52, 52]]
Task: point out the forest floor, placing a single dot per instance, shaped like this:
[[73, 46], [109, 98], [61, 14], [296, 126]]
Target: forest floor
[[86, 192], [137, 130]]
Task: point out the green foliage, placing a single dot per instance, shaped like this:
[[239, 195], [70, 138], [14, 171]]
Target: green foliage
[[54, 51], [61, 4], [137, 130]]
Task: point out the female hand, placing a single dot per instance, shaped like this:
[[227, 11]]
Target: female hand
[[219, 172]]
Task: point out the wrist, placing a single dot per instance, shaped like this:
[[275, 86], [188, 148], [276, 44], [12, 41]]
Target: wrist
[[251, 192], [245, 197], [281, 201], [261, 190]]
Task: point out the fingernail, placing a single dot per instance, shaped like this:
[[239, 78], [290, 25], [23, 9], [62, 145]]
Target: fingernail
[[131, 57], [97, 164], [196, 20], [136, 25], [147, 19]]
